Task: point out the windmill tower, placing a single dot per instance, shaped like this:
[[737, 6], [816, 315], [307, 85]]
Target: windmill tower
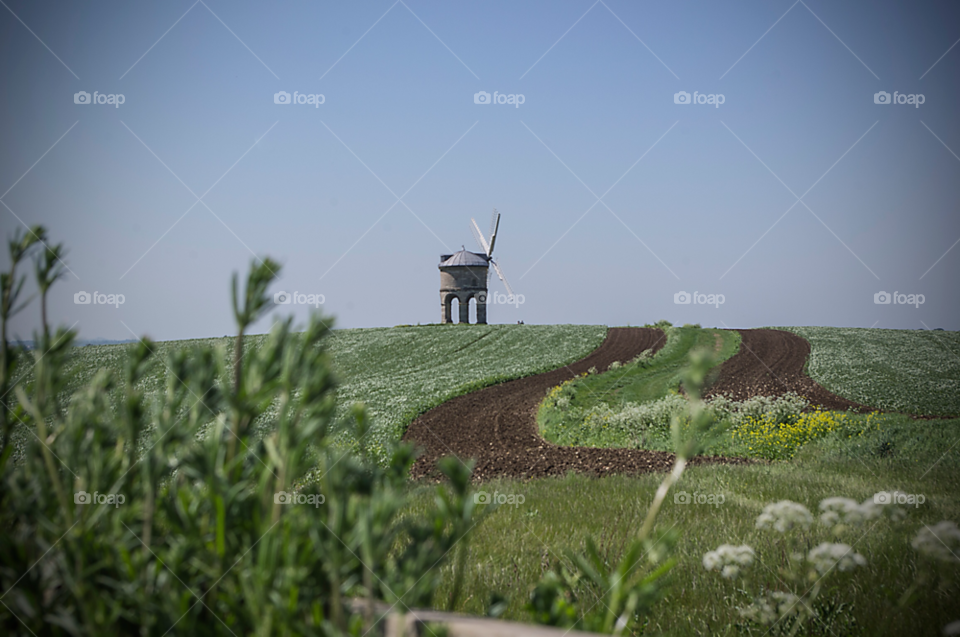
[[464, 276]]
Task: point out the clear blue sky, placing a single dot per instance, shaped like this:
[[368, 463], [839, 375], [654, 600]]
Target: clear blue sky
[[691, 193]]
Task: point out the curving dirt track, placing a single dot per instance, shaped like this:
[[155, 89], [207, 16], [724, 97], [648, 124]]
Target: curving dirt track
[[497, 425], [770, 363]]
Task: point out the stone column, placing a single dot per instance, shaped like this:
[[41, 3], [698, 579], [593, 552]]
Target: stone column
[[464, 303], [482, 308], [444, 309]]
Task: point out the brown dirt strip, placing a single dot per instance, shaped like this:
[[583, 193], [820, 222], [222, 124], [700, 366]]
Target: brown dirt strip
[[497, 425], [770, 363]]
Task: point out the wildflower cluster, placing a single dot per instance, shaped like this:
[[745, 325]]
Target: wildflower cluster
[[778, 438], [784, 516], [729, 559], [842, 513], [561, 395], [827, 556], [771, 608], [805, 567], [940, 542]]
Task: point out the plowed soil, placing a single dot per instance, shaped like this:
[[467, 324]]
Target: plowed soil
[[770, 363], [497, 425]]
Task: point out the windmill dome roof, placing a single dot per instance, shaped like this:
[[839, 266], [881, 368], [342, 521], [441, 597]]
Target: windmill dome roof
[[463, 257]]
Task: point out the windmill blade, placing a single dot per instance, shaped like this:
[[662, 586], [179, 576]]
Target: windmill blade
[[502, 278], [475, 229], [494, 226]]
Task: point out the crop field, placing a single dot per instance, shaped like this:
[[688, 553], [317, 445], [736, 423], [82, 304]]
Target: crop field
[[396, 372], [401, 372], [910, 371]]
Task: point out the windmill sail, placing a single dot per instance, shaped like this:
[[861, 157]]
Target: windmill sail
[[502, 278], [494, 226], [475, 229]]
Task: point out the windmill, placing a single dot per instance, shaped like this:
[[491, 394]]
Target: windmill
[[488, 246], [465, 275]]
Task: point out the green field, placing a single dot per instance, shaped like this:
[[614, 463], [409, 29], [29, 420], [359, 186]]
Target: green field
[[397, 372], [910, 371]]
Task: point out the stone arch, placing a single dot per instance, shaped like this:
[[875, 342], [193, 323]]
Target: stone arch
[[446, 306]]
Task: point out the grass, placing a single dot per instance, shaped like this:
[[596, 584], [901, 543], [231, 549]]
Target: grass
[[517, 544], [909, 371]]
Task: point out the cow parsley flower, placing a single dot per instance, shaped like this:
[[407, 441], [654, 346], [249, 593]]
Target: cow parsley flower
[[827, 556], [842, 511], [728, 559], [784, 516], [772, 608], [940, 542]]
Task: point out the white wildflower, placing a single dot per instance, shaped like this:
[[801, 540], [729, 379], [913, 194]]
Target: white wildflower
[[728, 559], [940, 542], [772, 608], [784, 516], [827, 556], [842, 511]]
